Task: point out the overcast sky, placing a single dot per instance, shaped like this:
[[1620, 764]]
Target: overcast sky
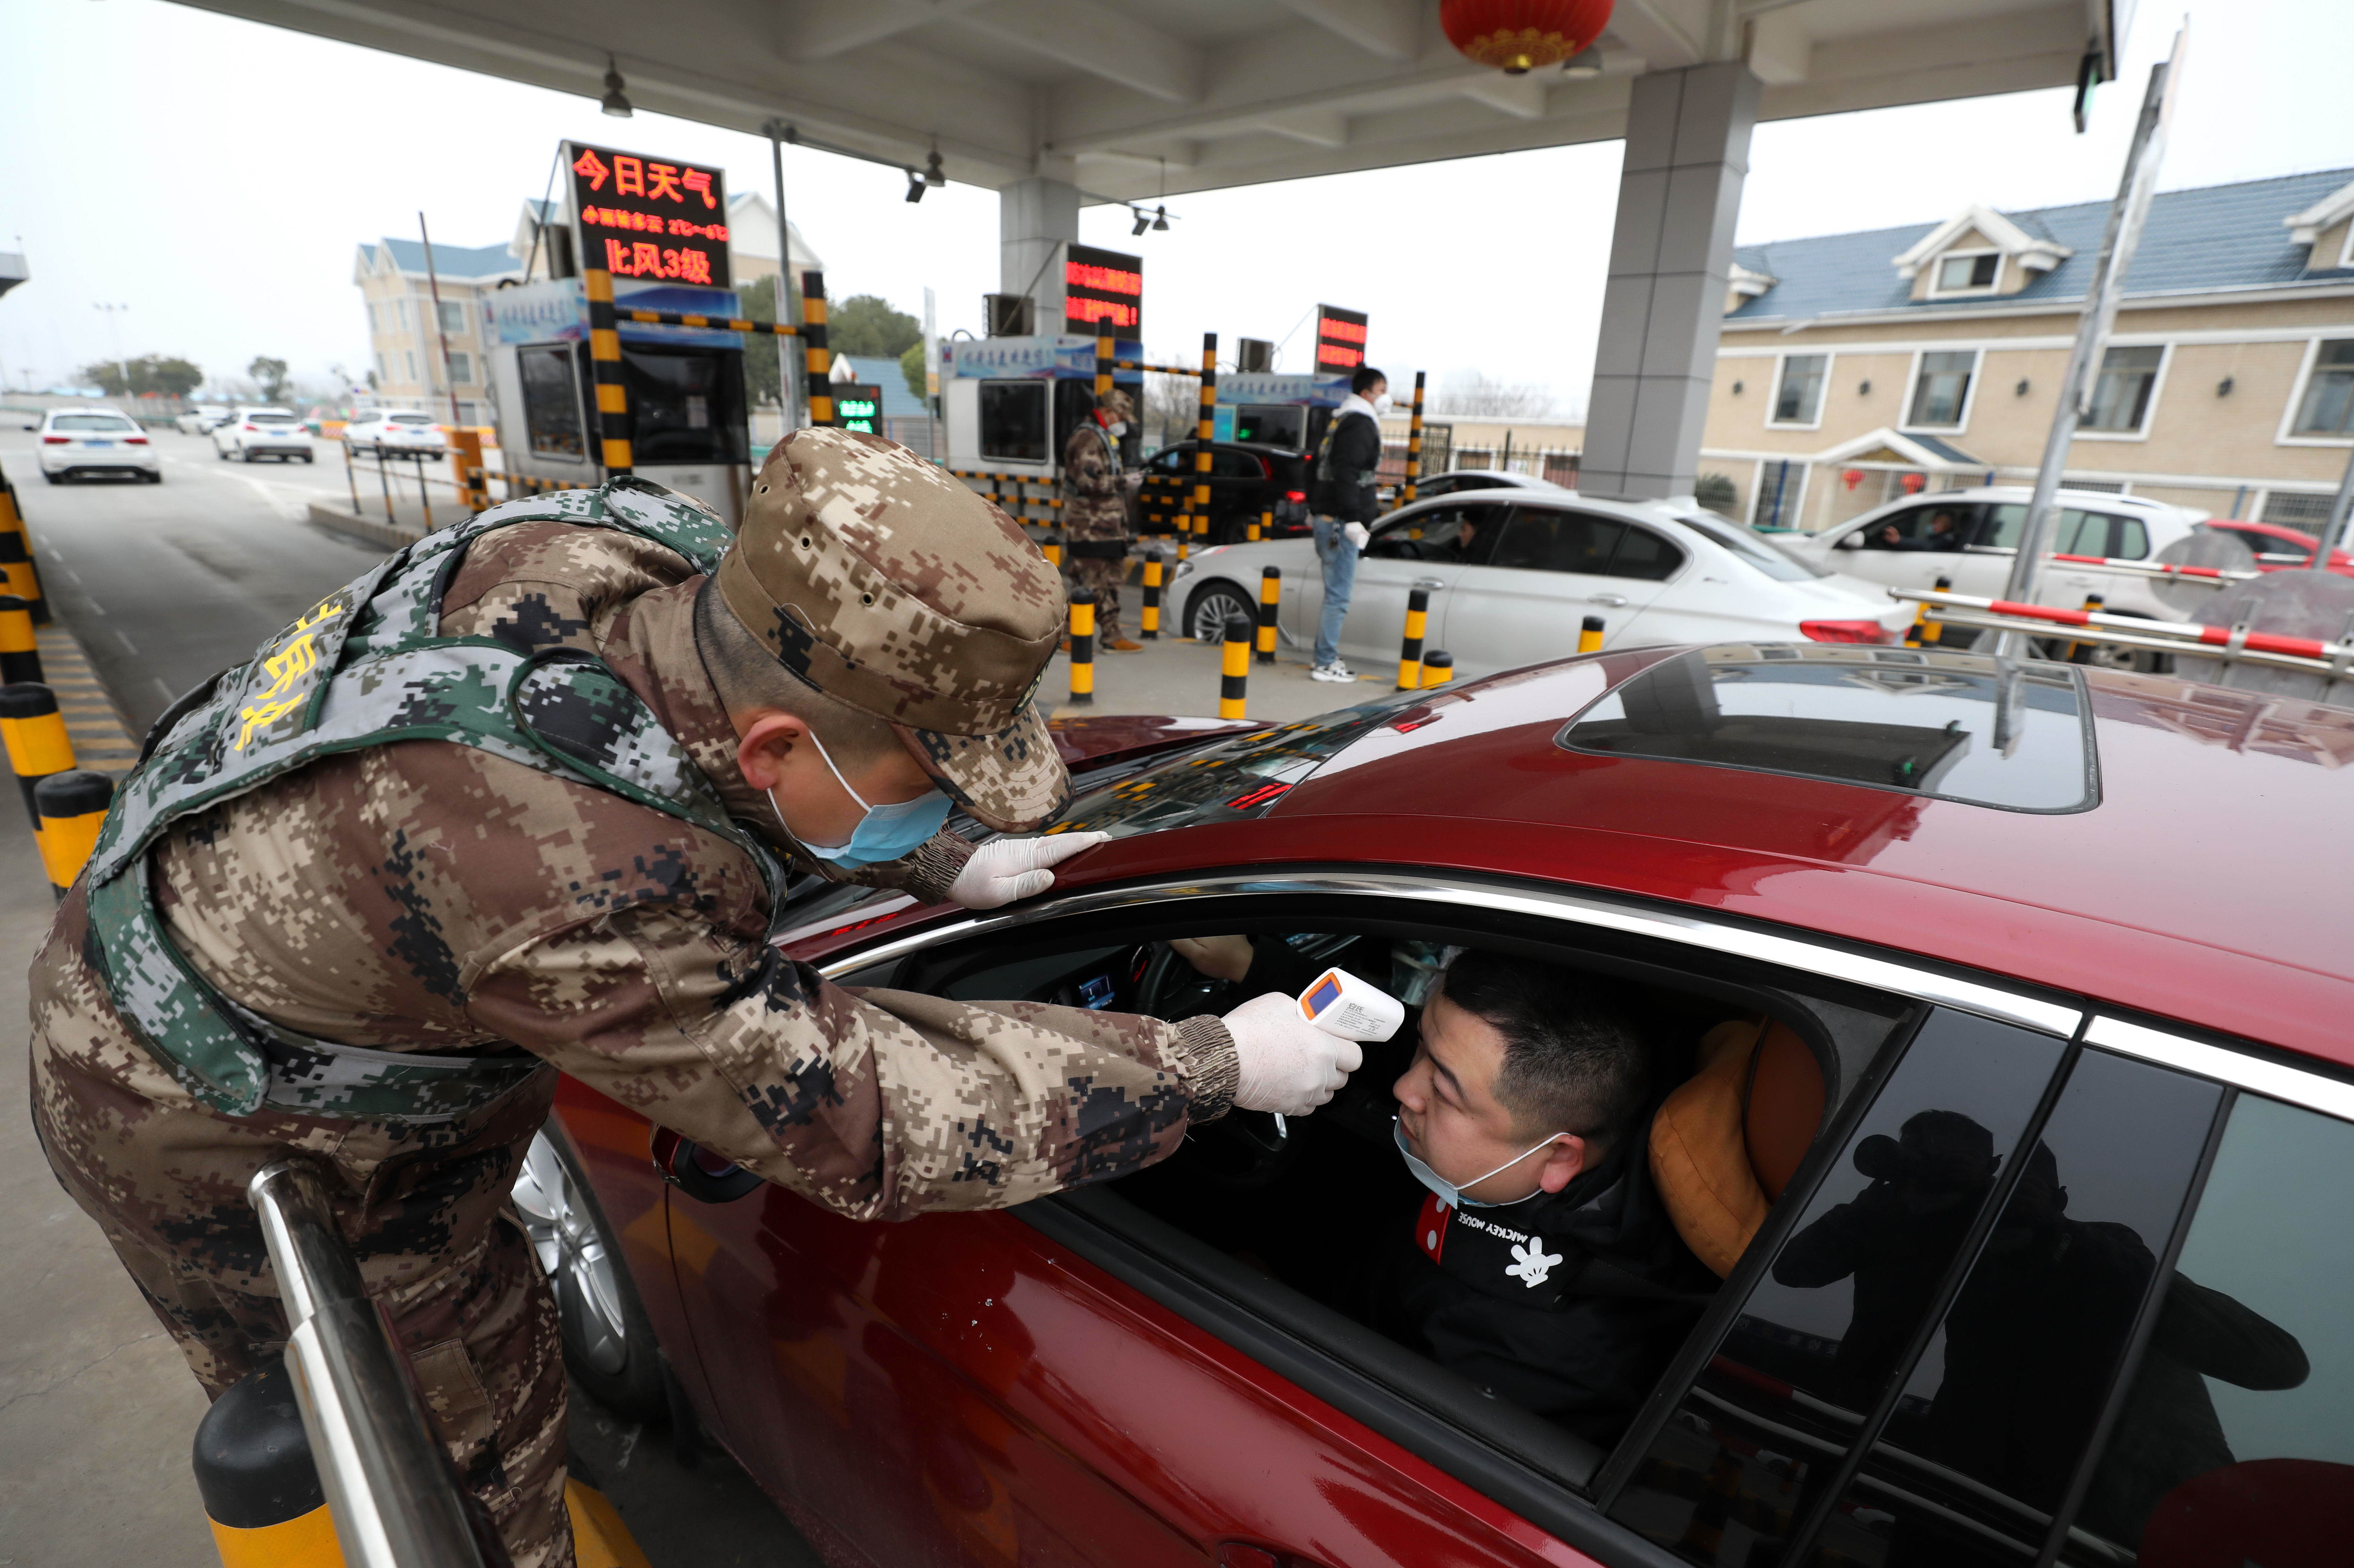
[[217, 175]]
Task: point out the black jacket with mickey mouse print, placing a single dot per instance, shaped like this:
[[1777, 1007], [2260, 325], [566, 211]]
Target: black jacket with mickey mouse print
[[1569, 1305]]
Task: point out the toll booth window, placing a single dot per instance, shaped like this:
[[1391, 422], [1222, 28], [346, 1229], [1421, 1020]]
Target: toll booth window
[[1013, 420], [551, 401], [686, 404], [2006, 733], [1272, 423]]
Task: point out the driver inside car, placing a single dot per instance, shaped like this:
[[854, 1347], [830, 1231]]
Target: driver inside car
[[1542, 1265]]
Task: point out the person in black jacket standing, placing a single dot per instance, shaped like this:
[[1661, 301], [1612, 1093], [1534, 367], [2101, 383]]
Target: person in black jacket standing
[[1346, 505]]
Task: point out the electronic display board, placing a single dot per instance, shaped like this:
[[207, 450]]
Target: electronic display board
[[1339, 338], [1102, 288], [858, 405], [639, 216]]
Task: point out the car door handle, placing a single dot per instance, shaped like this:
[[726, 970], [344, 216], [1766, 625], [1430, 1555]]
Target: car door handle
[[1430, 582], [1615, 600]]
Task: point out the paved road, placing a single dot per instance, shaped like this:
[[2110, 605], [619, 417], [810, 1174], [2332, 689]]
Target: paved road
[[166, 583]]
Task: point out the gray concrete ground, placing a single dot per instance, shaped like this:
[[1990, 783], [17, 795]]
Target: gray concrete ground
[[1181, 678], [162, 585]]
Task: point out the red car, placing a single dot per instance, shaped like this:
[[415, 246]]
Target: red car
[[2279, 548], [2055, 1136]]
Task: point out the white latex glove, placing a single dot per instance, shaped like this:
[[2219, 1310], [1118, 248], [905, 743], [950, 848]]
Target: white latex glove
[[1357, 534], [1289, 1065], [1009, 869]]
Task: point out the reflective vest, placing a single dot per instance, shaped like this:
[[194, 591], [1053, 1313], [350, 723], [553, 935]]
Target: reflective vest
[[368, 666]]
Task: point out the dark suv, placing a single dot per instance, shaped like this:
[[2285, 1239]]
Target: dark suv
[[1248, 480]]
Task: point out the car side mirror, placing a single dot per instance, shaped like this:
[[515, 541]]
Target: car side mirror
[[1851, 542]]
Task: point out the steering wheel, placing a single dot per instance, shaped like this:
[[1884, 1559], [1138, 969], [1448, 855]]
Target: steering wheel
[[1242, 1149]]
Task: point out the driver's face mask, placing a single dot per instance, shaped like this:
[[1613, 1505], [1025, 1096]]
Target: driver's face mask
[[885, 833], [1449, 1193], [1116, 428]]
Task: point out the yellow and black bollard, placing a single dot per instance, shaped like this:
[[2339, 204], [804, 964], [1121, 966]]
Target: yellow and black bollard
[[20, 650], [1589, 635], [605, 369], [1264, 528], [24, 581], [1083, 646], [35, 734], [1233, 671], [1418, 621], [1413, 445], [1052, 550], [71, 807], [259, 1486], [1149, 620], [466, 456], [817, 359], [1437, 668], [1926, 629], [1270, 597], [2078, 653]]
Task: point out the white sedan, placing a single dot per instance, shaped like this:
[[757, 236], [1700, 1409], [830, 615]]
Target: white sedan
[[200, 420], [252, 433], [397, 431], [1513, 574], [74, 445], [1971, 536]]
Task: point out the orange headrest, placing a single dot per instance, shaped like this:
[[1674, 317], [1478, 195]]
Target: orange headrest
[[1727, 1141]]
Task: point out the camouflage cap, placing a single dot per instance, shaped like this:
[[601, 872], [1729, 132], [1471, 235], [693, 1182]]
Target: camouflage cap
[[888, 585], [1116, 403]]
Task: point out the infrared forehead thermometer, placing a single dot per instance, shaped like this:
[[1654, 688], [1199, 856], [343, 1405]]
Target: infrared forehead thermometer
[[1340, 1003]]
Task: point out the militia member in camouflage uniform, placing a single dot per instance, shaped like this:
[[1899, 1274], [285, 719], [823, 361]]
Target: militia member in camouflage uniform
[[1095, 515], [513, 802]]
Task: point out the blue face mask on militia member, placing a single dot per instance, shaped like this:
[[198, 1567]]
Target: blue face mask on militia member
[[885, 833], [1449, 1193]]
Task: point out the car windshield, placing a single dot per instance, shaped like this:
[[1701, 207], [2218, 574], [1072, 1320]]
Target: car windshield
[[110, 422], [1763, 553]]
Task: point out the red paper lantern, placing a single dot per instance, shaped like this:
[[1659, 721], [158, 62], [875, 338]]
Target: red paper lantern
[[1519, 36], [1914, 482], [1851, 478]]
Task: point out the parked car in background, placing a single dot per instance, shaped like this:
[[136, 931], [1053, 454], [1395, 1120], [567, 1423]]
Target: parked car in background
[[400, 431], [1905, 544], [1513, 573], [2279, 548], [200, 420], [253, 433], [86, 443], [1248, 480], [1456, 481], [2018, 1144]]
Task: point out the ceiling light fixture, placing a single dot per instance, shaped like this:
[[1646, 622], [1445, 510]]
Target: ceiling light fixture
[[915, 185], [1160, 219], [934, 175], [1584, 65], [615, 102], [1143, 219]]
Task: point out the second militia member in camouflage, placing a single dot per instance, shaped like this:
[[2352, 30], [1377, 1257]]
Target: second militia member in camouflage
[[1095, 515], [537, 776]]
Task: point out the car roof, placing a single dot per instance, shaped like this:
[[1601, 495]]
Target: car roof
[[2162, 898], [2024, 493]]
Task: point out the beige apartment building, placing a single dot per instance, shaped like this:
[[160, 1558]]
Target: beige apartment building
[[1856, 367], [396, 290]]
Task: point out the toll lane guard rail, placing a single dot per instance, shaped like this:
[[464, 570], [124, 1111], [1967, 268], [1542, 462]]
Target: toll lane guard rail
[[2333, 660]]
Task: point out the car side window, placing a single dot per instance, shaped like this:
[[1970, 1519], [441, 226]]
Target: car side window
[[1228, 463], [1774, 1414], [1176, 460], [1644, 556], [2132, 540], [2077, 533], [2235, 1424], [1547, 539], [1453, 535], [1994, 1419], [1898, 531]]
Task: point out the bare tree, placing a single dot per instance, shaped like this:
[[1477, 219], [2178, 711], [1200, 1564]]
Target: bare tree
[[1172, 403], [1468, 394]]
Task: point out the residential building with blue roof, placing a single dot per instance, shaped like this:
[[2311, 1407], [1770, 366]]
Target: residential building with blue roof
[[1856, 367]]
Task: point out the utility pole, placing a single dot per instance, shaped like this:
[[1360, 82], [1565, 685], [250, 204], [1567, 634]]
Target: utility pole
[[2102, 295], [114, 326], [433, 284], [788, 298]]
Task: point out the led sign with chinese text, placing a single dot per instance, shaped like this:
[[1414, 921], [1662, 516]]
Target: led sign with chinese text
[[1102, 289], [1339, 338], [638, 216], [858, 405]]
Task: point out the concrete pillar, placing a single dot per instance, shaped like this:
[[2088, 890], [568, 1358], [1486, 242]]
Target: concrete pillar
[[1671, 262], [1033, 216]]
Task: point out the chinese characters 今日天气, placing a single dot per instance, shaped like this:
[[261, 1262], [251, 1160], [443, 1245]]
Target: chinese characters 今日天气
[[634, 176]]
